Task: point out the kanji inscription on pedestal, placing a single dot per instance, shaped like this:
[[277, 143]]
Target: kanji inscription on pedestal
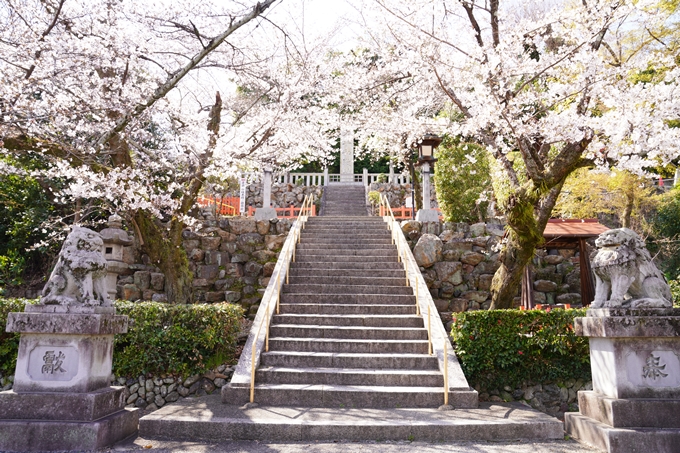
[[53, 363]]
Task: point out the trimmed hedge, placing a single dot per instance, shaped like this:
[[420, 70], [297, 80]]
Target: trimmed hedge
[[499, 348], [162, 338]]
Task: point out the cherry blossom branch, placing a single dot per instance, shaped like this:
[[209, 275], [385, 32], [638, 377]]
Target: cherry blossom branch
[[173, 80]]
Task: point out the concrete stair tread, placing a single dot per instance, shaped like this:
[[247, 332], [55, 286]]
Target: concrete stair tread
[[349, 341], [355, 355], [352, 388], [295, 316], [368, 371], [206, 418], [346, 328]]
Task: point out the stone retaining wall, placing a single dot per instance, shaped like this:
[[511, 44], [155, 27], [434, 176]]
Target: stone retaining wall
[[283, 195], [553, 398], [232, 260], [458, 261], [397, 194]]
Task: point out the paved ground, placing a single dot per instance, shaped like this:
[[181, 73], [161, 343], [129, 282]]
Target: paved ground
[[156, 446]]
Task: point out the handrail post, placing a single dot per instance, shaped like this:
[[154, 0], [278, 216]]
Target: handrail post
[[252, 372], [266, 333], [446, 373], [429, 330], [278, 291]]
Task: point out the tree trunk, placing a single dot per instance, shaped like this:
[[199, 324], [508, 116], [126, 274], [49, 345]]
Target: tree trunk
[[526, 221], [165, 250], [417, 189]]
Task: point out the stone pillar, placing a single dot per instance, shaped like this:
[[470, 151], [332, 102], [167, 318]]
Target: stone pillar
[[266, 212], [426, 214], [115, 238], [391, 178], [365, 177], [635, 361], [62, 399], [346, 155], [676, 178], [325, 176]]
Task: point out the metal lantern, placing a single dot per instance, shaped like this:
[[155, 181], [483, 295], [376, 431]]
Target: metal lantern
[[427, 146]]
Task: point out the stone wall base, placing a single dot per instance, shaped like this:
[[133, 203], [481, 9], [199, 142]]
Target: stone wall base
[[45, 435], [621, 440]]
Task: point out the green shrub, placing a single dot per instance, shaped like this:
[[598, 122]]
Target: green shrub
[[675, 291], [162, 338], [9, 341], [175, 339], [374, 197], [508, 347]]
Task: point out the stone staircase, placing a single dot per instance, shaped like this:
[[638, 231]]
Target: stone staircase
[[347, 334], [344, 200], [348, 356]]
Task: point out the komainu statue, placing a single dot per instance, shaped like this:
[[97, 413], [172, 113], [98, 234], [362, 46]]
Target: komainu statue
[[625, 275], [80, 273]]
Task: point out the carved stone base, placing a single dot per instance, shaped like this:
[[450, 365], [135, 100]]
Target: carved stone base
[[621, 440], [48, 435], [61, 398], [635, 362]]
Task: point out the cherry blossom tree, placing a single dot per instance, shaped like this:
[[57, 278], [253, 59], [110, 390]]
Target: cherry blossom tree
[[546, 93], [133, 104]]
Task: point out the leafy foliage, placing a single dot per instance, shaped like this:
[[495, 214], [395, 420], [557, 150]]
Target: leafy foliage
[[182, 339], [161, 338], [666, 233], [507, 347], [462, 181], [9, 341]]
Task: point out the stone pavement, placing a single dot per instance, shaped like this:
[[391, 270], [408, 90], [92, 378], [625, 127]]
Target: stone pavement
[[405, 446]]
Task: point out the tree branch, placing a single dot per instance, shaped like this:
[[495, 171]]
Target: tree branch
[[174, 79]]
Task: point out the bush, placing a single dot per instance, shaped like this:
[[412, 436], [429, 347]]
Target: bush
[[462, 181], [500, 348], [175, 339], [162, 338], [9, 341]]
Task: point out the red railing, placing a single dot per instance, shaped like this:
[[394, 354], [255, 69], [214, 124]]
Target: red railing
[[285, 213], [404, 213], [223, 206], [229, 206]]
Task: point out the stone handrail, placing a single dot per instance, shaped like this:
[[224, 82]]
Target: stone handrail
[[440, 345], [258, 339]]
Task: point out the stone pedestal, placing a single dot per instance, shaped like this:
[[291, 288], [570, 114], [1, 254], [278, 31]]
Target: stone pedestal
[[635, 401], [61, 398]]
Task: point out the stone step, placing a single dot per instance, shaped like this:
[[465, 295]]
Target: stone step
[[337, 247], [349, 360], [349, 376], [349, 320], [345, 230], [346, 241], [361, 299], [357, 346], [311, 288], [348, 280], [349, 396], [365, 265], [385, 251], [346, 332], [317, 273], [347, 309], [315, 258], [220, 422], [345, 237]]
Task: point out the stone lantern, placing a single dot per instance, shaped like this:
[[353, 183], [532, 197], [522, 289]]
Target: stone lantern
[[266, 212], [426, 149], [115, 238]]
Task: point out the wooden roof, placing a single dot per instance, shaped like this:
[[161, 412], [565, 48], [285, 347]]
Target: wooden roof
[[573, 228]]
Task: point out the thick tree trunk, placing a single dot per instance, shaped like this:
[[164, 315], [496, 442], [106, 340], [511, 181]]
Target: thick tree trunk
[[165, 250], [417, 189], [526, 221]]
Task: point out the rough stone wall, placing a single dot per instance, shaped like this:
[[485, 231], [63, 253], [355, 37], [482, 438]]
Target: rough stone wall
[[283, 194], [232, 260], [553, 398], [458, 261], [398, 193]]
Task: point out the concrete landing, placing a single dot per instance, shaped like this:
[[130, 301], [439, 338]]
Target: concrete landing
[[206, 418]]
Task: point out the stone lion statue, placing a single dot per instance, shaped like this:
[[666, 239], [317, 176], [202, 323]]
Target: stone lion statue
[[624, 268], [80, 273]]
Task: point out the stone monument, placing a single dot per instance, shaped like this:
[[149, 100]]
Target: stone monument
[[266, 212], [346, 155], [61, 398], [634, 336]]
